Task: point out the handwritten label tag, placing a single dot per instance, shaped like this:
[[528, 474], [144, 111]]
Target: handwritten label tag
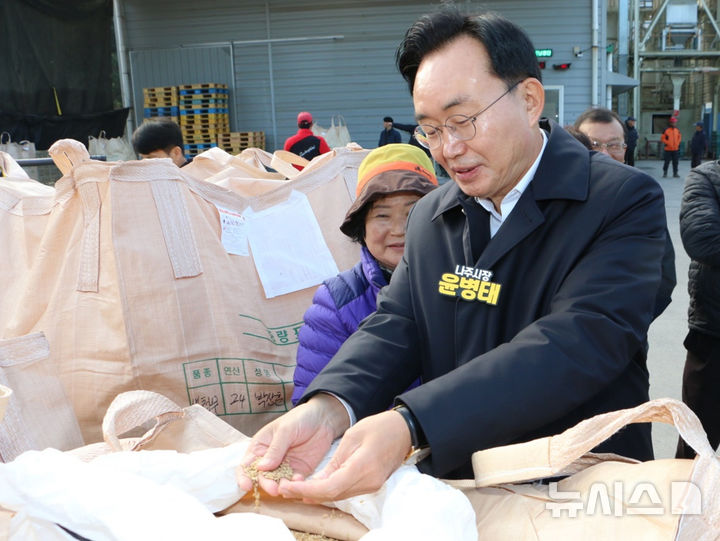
[[234, 232]]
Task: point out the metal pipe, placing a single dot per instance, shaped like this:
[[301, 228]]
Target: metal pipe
[[696, 69], [119, 27], [636, 59], [270, 75], [710, 16], [595, 56], [654, 21], [286, 40], [681, 54]]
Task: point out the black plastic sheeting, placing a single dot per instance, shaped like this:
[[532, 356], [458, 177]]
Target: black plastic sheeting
[[45, 130], [62, 50]]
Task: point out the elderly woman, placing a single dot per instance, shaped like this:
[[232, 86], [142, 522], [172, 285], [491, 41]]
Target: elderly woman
[[390, 179]]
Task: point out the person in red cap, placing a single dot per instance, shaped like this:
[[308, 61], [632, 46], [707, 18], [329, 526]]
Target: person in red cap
[[671, 137], [305, 143]]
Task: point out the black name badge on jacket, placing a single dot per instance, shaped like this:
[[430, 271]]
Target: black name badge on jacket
[[470, 284]]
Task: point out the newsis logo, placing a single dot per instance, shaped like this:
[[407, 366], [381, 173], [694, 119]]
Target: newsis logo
[[623, 499]]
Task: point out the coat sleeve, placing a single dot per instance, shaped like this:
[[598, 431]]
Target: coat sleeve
[[700, 216], [319, 339]]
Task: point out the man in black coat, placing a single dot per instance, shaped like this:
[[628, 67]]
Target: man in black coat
[[389, 134], [698, 145], [605, 131], [523, 298], [700, 233], [631, 138]]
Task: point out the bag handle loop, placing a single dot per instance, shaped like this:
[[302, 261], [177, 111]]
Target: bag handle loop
[[550, 456], [283, 161], [133, 409]]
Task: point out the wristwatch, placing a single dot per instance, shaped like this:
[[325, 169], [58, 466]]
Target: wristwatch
[[419, 449]]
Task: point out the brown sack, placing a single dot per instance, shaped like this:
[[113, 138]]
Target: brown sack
[[134, 289]]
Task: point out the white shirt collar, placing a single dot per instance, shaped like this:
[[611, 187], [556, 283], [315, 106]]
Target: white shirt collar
[[510, 200]]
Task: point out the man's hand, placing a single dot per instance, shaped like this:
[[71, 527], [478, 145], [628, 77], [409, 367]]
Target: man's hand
[[302, 437], [368, 454]]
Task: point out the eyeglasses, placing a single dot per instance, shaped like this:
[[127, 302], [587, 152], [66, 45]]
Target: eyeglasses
[[461, 127], [612, 148]]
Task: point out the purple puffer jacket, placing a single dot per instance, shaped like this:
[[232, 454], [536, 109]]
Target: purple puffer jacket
[[338, 307]]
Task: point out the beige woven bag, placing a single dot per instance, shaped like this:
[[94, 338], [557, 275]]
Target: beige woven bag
[[134, 288], [38, 412], [605, 497]]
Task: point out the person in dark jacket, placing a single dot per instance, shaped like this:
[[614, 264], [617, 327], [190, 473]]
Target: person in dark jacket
[[160, 139], [523, 298], [305, 143], [390, 180], [698, 145], [605, 130], [631, 139], [389, 134], [700, 233]]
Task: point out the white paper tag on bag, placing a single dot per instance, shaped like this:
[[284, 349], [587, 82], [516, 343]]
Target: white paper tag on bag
[[288, 246], [233, 232]]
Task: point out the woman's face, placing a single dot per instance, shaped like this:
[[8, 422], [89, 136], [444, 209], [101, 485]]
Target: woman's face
[[385, 227]]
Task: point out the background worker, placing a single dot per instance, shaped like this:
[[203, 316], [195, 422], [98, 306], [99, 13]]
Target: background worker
[[389, 134], [505, 317], [390, 180], [671, 137], [631, 139], [160, 139], [698, 145], [305, 143]]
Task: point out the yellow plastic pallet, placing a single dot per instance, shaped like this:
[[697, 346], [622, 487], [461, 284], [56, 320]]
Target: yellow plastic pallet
[[196, 139], [241, 135], [217, 127], [160, 90], [192, 129], [201, 86], [164, 101], [238, 149], [159, 118]]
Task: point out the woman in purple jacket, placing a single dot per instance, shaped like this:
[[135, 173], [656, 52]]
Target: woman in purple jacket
[[390, 179]]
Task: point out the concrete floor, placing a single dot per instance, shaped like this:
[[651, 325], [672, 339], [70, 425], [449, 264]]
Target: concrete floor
[[666, 356]]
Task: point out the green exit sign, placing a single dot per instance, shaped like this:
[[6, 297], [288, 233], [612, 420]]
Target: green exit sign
[[543, 53]]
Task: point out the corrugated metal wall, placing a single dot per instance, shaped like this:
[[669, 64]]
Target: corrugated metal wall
[[285, 59], [178, 66]]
